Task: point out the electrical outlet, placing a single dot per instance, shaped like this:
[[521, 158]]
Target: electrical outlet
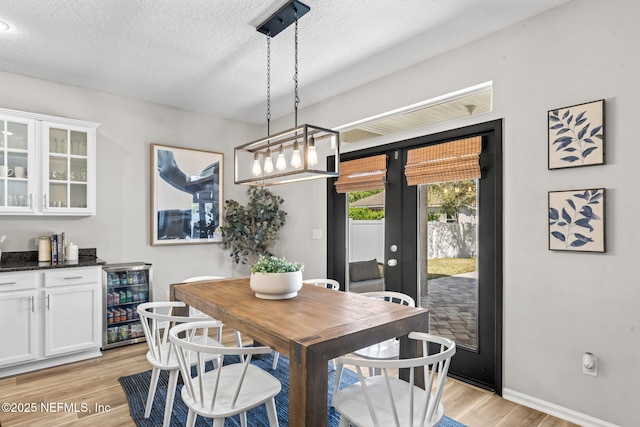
[[167, 296], [590, 364]]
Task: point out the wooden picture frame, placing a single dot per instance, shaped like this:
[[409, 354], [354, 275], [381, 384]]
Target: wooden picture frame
[[577, 220], [576, 135], [186, 195]]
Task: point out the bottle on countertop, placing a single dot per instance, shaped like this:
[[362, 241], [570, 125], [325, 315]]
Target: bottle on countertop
[[71, 252]]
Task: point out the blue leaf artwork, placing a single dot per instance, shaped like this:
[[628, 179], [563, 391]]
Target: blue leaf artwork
[[576, 135], [576, 219]]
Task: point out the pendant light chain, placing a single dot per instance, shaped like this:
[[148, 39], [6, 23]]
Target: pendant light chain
[[268, 83], [296, 99]]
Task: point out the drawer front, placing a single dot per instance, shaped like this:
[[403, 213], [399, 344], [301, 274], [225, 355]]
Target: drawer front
[[72, 276], [18, 281]]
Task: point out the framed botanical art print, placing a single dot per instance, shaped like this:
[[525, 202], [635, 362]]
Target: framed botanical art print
[[186, 195], [576, 220], [576, 135]]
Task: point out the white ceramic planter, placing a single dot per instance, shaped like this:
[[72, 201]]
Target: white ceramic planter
[[276, 285]]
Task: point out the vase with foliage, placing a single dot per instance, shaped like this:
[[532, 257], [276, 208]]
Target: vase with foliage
[[276, 278], [249, 230]]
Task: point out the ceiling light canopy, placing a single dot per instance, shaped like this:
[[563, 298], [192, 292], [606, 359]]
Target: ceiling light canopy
[[296, 150], [4, 26]]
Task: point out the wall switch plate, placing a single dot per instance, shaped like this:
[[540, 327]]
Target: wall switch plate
[[316, 234], [590, 364]]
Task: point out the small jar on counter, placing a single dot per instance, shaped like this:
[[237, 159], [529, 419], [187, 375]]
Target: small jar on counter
[[44, 249]]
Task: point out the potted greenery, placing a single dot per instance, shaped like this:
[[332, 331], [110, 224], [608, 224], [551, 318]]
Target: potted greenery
[[250, 230], [276, 278]]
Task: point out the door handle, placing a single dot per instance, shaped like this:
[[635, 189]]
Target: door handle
[[392, 262]]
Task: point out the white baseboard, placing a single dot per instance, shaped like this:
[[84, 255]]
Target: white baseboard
[[555, 410]]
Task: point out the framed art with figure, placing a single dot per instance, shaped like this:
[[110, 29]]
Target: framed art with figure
[[186, 195]]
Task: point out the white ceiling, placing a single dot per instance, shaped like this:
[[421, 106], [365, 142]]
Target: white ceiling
[[206, 56]]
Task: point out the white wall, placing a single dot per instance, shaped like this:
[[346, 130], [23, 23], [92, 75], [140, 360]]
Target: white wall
[[557, 305], [120, 230]]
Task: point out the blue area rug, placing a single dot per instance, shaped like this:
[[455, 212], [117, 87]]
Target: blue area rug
[[136, 388]]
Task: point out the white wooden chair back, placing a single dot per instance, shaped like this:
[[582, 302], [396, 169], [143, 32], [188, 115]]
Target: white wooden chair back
[[225, 390], [385, 400], [324, 283], [156, 319], [391, 296]]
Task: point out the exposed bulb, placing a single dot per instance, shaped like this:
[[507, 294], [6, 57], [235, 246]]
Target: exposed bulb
[[312, 156], [268, 163], [281, 163], [257, 170], [296, 161]]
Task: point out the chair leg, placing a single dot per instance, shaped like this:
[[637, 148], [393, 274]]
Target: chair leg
[[218, 422], [155, 373], [276, 357], [243, 419], [191, 419], [271, 412], [171, 391], [336, 381], [333, 364], [343, 422]]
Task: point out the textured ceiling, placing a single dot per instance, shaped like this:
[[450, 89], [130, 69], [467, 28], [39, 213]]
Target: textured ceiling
[[206, 56]]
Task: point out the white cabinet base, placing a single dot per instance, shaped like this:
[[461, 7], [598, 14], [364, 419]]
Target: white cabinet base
[[49, 362], [49, 317]]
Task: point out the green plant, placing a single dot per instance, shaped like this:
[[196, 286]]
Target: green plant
[[275, 265], [364, 213], [433, 216], [249, 230]]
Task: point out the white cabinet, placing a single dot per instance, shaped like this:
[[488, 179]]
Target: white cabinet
[[18, 319], [49, 165], [49, 317], [73, 316]]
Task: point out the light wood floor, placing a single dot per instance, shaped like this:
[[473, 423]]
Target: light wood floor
[[95, 382]]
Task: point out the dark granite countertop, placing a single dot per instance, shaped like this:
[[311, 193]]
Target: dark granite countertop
[[28, 260]]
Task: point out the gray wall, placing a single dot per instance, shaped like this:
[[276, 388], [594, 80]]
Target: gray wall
[[557, 305]]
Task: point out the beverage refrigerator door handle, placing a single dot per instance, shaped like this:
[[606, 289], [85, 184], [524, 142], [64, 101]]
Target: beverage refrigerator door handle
[[44, 205], [33, 305], [48, 305]]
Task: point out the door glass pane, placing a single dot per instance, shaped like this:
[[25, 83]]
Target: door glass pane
[[448, 265], [366, 241]]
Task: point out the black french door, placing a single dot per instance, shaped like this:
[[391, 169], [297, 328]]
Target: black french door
[[479, 364]]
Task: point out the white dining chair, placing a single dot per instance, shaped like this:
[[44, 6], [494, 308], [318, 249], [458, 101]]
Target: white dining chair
[[194, 312], [156, 319], [226, 390], [334, 285], [326, 283], [385, 400], [388, 349]]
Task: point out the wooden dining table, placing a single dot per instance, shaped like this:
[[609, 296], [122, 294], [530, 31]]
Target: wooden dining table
[[312, 328]]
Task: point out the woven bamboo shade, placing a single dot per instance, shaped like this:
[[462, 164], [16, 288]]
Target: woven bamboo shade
[[362, 174], [449, 161]]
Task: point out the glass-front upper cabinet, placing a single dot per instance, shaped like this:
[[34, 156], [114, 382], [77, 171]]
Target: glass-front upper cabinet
[[17, 164], [47, 165], [68, 169]]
